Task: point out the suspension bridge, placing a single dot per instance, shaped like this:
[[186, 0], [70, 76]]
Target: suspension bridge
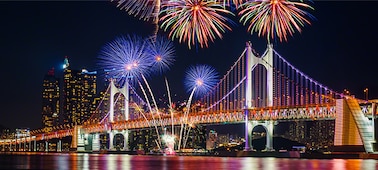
[[256, 90]]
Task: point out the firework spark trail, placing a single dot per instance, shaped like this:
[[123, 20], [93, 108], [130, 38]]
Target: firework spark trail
[[161, 53], [153, 100], [273, 18], [194, 21], [144, 116], [133, 57], [170, 105], [184, 118], [151, 111], [198, 80], [186, 132]]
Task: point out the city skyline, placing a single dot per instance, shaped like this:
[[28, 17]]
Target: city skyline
[[38, 35]]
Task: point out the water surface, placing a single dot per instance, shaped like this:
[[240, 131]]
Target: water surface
[[82, 161]]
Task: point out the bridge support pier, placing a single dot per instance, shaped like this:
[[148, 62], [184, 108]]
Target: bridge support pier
[[125, 134], [59, 146], [246, 134], [80, 141], [126, 140], [111, 140], [46, 146], [35, 146], [30, 145], [96, 142], [19, 145], [268, 126], [23, 145]]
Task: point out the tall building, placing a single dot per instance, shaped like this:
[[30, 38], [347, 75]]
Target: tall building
[[88, 102], [322, 134], [79, 93], [298, 131], [50, 101], [211, 142], [143, 139]]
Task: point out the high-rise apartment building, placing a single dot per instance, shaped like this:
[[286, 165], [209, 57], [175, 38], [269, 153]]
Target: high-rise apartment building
[[50, 101], [79, 93], [298, 131]]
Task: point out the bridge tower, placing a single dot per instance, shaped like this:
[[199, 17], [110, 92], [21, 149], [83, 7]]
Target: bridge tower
[[125, 92], [251, 62]]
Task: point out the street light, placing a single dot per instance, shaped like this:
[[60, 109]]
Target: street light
[[366, 92]]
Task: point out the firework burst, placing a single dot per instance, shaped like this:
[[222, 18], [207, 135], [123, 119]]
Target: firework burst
[[147, 10], [194, 21], [143, 9], [201, 78], [274, 18], [124, 57], [161, 52], [237, 3]]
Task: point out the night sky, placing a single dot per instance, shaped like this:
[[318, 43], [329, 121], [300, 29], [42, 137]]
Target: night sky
[[338, 49]]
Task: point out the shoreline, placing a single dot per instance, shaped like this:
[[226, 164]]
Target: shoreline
[[257, 154]]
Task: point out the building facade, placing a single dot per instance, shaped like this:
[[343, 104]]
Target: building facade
[[50, 101], [79, 94]]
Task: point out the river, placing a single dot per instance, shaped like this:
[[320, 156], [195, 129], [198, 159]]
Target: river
[[83, 161]]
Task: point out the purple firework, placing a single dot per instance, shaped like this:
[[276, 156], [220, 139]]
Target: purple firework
[[124, 57], [200, 78], [161, 52]]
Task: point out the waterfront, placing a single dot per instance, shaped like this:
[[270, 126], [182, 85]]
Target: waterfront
[[122, 161]]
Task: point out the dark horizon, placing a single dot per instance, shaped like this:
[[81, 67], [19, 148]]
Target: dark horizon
[[337, 50]]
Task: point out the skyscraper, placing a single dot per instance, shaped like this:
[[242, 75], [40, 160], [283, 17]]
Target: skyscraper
[[50, 101], [79, 91]]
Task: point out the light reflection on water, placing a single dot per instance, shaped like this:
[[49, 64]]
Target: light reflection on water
[[82, 161]]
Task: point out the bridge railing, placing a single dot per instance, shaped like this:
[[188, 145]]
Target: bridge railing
[[309, 112], [231, 116]]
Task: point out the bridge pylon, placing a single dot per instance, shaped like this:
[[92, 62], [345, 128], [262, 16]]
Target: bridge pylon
[[125, 92], [252, 61]]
